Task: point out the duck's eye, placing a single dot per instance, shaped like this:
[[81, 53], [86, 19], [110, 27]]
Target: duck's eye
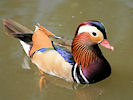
[[94, 34]]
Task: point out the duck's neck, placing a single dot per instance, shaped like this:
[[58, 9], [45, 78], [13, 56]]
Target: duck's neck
[[84, 52]]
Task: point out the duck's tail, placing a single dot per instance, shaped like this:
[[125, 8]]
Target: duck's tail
[[19, 31], [26, 37]]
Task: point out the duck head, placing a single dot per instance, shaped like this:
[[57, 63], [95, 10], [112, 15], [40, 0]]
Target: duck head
[[88, 57], [96, 33]]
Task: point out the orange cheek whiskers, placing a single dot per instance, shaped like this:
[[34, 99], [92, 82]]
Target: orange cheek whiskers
[[82, 55]]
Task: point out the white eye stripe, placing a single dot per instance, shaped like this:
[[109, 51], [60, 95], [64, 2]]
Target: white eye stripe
[[93, 31], [87, 28]]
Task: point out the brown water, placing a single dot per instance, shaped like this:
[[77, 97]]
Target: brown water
[[19, 78]]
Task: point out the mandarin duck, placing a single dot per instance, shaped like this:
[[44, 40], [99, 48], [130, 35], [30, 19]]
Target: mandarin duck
[[80, 61]]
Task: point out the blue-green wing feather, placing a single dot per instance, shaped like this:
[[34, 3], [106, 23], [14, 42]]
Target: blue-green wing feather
[[65, 54]]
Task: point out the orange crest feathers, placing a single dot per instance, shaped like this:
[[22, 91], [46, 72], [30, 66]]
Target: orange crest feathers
[[48, 33]]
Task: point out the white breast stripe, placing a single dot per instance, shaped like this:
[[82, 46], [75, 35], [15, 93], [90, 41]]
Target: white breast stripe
[[75, 74], [83, 76]]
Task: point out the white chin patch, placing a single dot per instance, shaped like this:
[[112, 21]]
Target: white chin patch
[[87, 28]]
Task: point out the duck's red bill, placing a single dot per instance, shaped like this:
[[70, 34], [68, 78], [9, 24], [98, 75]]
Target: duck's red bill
[[105, 43]]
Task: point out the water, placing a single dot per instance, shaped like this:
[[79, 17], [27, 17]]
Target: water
[[19, 78]]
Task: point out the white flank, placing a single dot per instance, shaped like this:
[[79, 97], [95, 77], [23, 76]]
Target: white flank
[[26, 47]]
